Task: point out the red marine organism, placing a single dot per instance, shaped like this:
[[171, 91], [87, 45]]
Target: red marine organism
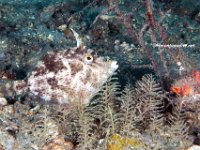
[[184, 90], [196, 76], [188, 85]]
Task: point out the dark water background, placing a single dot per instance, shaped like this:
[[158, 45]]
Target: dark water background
[[29, 29]]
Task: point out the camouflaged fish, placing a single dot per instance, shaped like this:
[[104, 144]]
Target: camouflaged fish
[[74, 74]]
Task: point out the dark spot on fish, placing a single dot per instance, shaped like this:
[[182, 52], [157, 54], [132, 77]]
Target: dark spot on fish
[[41, 82], [39, 92], [53, 82], [39, 71], [51, 63], [71, 53], [75, 67]]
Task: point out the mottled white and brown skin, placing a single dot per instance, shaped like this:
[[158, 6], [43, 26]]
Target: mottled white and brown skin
[[67, 76]]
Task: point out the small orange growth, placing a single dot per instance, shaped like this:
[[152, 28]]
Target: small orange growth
[[175, 89], [184, 90], [187, 85], [196, 76]]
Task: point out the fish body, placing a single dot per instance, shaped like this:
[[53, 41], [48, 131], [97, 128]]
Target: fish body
[[74, 74]]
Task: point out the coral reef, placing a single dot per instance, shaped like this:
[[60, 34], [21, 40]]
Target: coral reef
[[135, 117]]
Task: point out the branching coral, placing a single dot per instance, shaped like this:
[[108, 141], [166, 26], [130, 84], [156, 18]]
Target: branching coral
[[150, 96]]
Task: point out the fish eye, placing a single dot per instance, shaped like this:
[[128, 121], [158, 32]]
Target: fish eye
[[88, 59]]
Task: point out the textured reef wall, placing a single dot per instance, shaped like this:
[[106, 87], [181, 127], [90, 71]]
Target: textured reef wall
[[152, 101]]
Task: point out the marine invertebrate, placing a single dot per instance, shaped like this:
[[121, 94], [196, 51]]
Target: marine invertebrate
[[179, 130], [187, 90], [196, 76], [188, 85], [150, 97], [184, 90], [74, 74], [117, 142]]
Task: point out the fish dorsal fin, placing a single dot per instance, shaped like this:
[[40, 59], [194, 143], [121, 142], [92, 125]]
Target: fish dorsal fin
[[79, 42]]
